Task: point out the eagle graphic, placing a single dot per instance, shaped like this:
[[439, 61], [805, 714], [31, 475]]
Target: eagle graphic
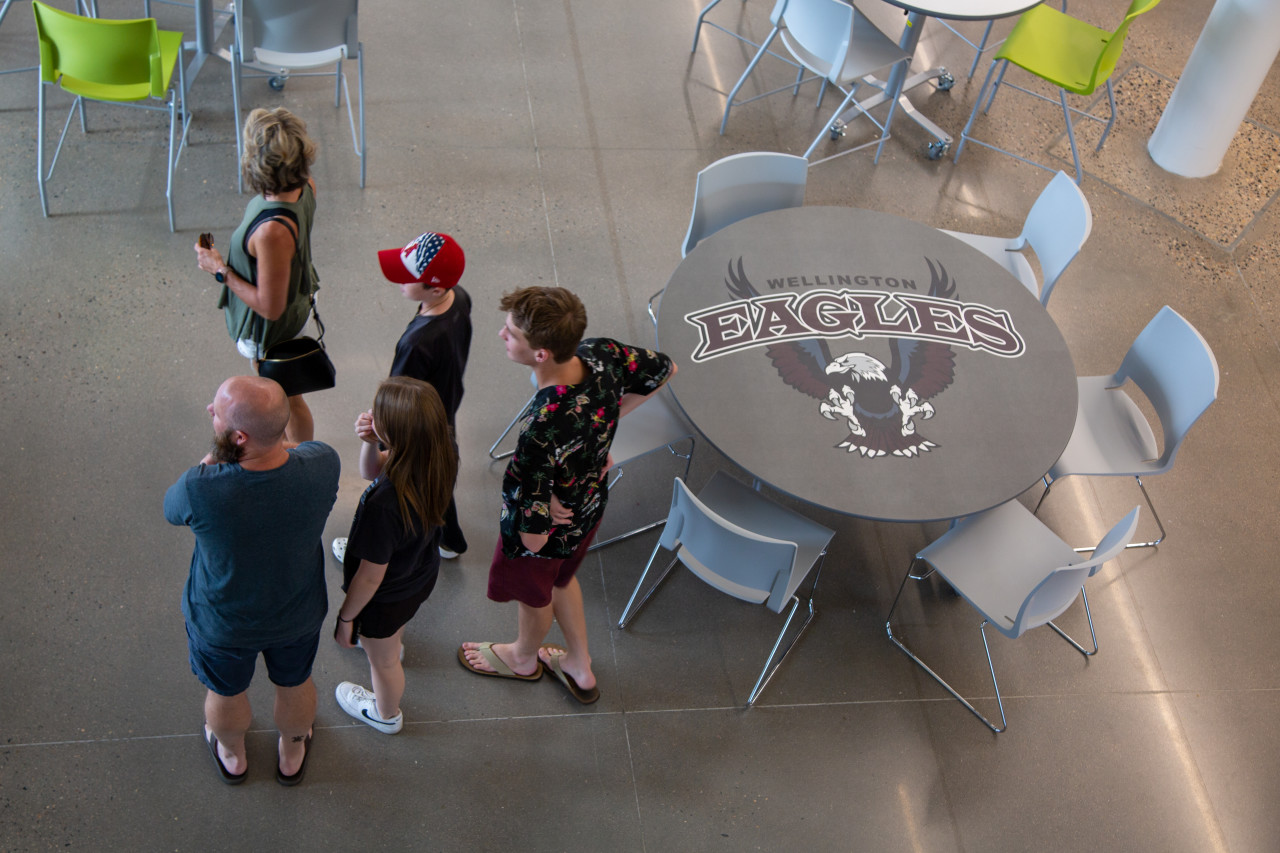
[[879, 403]]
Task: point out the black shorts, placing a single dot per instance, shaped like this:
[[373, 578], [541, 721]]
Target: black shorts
[[380, 620]]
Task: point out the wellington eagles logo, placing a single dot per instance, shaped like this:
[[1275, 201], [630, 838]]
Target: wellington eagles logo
[[879, 403]]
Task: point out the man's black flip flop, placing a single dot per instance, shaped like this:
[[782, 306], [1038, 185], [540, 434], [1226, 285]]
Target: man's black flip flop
[[227, 776]]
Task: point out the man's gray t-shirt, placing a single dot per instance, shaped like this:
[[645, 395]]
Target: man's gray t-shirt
[[257, 572]]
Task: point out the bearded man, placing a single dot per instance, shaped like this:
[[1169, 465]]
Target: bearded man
[[257, 506]]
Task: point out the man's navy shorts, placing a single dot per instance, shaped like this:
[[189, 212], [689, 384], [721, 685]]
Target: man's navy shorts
[[227, 670]]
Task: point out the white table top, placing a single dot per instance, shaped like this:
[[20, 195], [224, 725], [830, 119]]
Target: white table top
[[971, 10]]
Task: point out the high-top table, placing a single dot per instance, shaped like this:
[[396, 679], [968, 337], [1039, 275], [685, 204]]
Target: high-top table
[[867, 363]]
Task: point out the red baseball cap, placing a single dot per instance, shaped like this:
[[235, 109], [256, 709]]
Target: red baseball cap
[[435, 260]]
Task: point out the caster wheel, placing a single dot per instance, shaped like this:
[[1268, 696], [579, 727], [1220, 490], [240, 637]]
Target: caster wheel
[[945, 81], [836, 130], [936, 150], [277, 83]]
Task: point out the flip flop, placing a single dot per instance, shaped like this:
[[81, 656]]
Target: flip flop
[[586, 697], [500, 669], [290, 781], [228, 777]]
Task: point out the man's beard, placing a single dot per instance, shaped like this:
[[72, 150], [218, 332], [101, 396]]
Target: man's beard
[[225, 448]]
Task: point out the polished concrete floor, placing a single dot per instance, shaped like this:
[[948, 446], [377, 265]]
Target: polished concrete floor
[[559, 143]]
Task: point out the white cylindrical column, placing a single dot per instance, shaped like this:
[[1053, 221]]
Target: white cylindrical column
[[1236, 49]]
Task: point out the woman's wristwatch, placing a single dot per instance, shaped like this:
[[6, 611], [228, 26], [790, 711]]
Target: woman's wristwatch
[[221, 276]]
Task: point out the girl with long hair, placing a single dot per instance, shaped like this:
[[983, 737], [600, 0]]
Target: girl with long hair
[[392, 557]]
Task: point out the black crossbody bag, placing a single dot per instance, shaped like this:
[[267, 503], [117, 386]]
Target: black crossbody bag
[[301, 365]]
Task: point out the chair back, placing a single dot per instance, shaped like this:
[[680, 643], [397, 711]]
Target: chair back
[[1053, 595], [730, 558], [1056, 228], [299, 27], [1110, 54], [84, 54], [1172, 363], [821, 30], [741, 185]]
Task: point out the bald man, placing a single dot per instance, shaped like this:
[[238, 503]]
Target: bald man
[[257, 506]]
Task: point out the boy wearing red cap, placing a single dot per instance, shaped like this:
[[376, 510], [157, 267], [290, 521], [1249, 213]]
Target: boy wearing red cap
[[437, 341]]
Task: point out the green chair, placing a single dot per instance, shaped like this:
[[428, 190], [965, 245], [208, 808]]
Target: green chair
[[1074, 56], [121, 62]]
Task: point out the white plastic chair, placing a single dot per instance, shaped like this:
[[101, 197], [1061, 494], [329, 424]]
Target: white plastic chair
[[1017, 574], [291, 36], [741, 185], [834, 39], [1056, 227], [1172, 365], [836, 42], [745, 545]]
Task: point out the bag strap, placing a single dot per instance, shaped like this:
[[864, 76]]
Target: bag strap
[[276, 213], [290, 221]]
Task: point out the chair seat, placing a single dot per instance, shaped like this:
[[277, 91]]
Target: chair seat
[[170, 47], [870, 50], [313, 59], [1111, 435], [1057, 47], [995, 559], [744, 507], [998, 250]]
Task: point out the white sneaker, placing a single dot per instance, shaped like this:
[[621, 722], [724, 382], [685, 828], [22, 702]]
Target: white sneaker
[[447, 554], [340, 548], [360, 703]]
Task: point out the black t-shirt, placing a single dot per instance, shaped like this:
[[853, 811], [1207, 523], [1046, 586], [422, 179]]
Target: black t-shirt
[[378, 535], [435, 349]]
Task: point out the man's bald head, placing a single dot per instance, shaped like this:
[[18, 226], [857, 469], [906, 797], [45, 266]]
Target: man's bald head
[[254, 406]]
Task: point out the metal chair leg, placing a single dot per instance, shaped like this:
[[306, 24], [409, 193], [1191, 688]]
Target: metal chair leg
[[40, 98], [1071, 135], [627, 613], [888, 626], [510, 426], [1092, 633], [364, 156], [766, 674]]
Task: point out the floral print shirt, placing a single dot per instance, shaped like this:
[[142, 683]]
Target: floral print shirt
[[565, 433]]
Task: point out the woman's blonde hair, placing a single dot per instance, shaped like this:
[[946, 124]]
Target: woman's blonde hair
[[277, 151], [421, 464]]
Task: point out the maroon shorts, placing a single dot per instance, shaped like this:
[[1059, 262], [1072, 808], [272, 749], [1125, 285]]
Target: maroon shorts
[[529, 580]]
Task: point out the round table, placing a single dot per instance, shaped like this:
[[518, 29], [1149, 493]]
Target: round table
[[867, 363]]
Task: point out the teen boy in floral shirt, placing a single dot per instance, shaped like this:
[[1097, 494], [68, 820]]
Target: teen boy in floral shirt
[[554, 492]]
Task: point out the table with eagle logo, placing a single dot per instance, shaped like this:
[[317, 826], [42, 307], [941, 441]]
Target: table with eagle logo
[[867, 363]]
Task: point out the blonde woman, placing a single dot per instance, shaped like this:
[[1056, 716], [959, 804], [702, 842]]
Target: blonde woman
[[393, 558], [267, 277]]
